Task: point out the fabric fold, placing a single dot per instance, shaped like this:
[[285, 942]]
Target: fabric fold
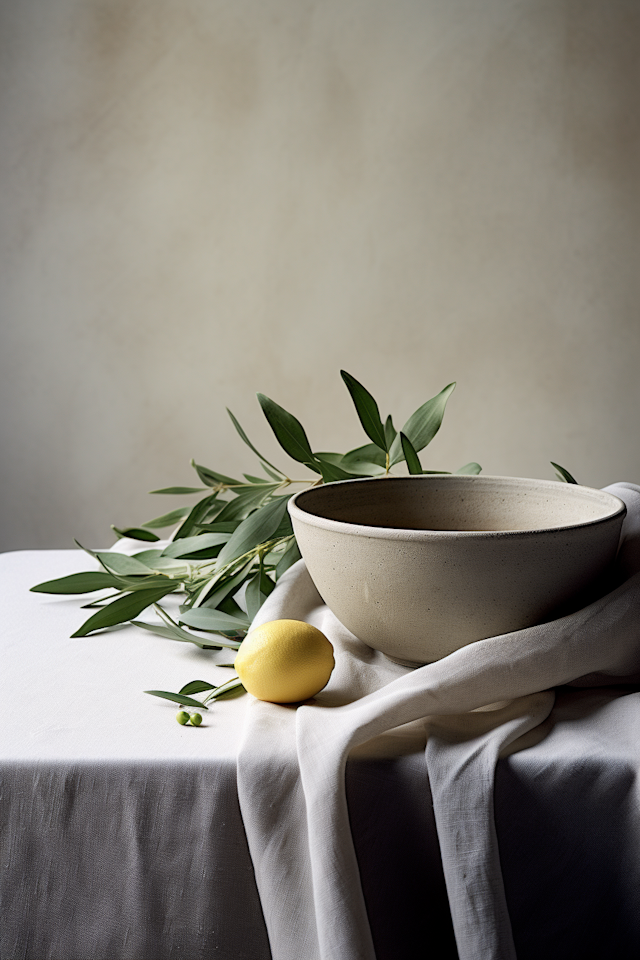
[[474, 703]]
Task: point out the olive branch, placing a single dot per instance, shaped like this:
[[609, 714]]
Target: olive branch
[[228, 551]]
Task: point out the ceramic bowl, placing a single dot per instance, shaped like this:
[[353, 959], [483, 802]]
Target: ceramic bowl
[[419, 566]]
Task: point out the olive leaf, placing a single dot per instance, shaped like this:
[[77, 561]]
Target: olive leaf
[[196, 686], [162, 564], [366, 461], [289, 432], [256, 529], [562, 474], [413, 463], [197, 513], [204, 618], [470, 469], [124, 609], [335, 458], [367, 410], [168, 519], [211, 478], [270, 473], [258, 589], [136, 533], [188, 545], [245, 502], [331, 471], [175, 633], [225, 586], [177, 698], [231, 688], [290, 556], [122, 564], [369, 453], [219, 526], [199, 641], [246, 440], [78, 583], [390, 432], [422, 425], [169, 491]]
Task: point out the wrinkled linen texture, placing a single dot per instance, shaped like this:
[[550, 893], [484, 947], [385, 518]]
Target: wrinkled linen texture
[[475, 705]]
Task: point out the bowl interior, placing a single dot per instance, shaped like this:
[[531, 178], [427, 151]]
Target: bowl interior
[[457, 503]]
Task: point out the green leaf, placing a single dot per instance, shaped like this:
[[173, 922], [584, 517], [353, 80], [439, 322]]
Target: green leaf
[[168, 519], [177, 698], [223, 584], [228, 689], [562, 473], [256, 529], [367, 410], [194, 638], [366, 461], [335, 458], [364, 469], [289, 432], [390, 432], [250, 479], [211, 478], [88, 550], [245, 502], [196, 686], [369, 453], [196, 514], [285, 528], [422, 426], [246, 440], [145, 556], [123, 609], [163, 565], [204, 618], [173, 633], [77, 583], [122, 564], [413, 463], [219, 527], [189, 545], [290, 556], [135, 533], [102, 601], [258, 589], [471, 469], [330, 471], [270, 473], [170, 491], [233, 609]]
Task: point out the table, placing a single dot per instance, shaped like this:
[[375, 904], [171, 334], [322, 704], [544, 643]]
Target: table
[[122, 836]]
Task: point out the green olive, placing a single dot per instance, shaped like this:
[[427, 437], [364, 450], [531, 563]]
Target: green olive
[[182, 717], [196, 719]]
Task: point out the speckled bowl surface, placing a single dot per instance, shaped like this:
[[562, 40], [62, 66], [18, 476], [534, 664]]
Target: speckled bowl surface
[[419, 566]]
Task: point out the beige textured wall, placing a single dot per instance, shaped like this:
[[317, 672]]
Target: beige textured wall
[[200, 199]]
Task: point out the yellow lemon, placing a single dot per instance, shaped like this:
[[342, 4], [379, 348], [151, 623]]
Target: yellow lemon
[[285, 661]]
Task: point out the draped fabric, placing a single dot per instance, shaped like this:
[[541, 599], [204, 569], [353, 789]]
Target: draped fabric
[[474, 706]]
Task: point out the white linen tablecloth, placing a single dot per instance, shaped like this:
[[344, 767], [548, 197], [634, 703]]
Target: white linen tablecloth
[[124, 836]]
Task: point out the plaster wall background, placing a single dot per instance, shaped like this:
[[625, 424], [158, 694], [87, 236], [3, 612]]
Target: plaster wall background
[[200, 199]]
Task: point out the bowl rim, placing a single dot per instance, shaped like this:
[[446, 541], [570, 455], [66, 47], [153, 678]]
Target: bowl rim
[[617, 509]]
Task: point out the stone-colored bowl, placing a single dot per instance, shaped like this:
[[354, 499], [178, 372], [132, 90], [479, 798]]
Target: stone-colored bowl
[[419, 566]]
